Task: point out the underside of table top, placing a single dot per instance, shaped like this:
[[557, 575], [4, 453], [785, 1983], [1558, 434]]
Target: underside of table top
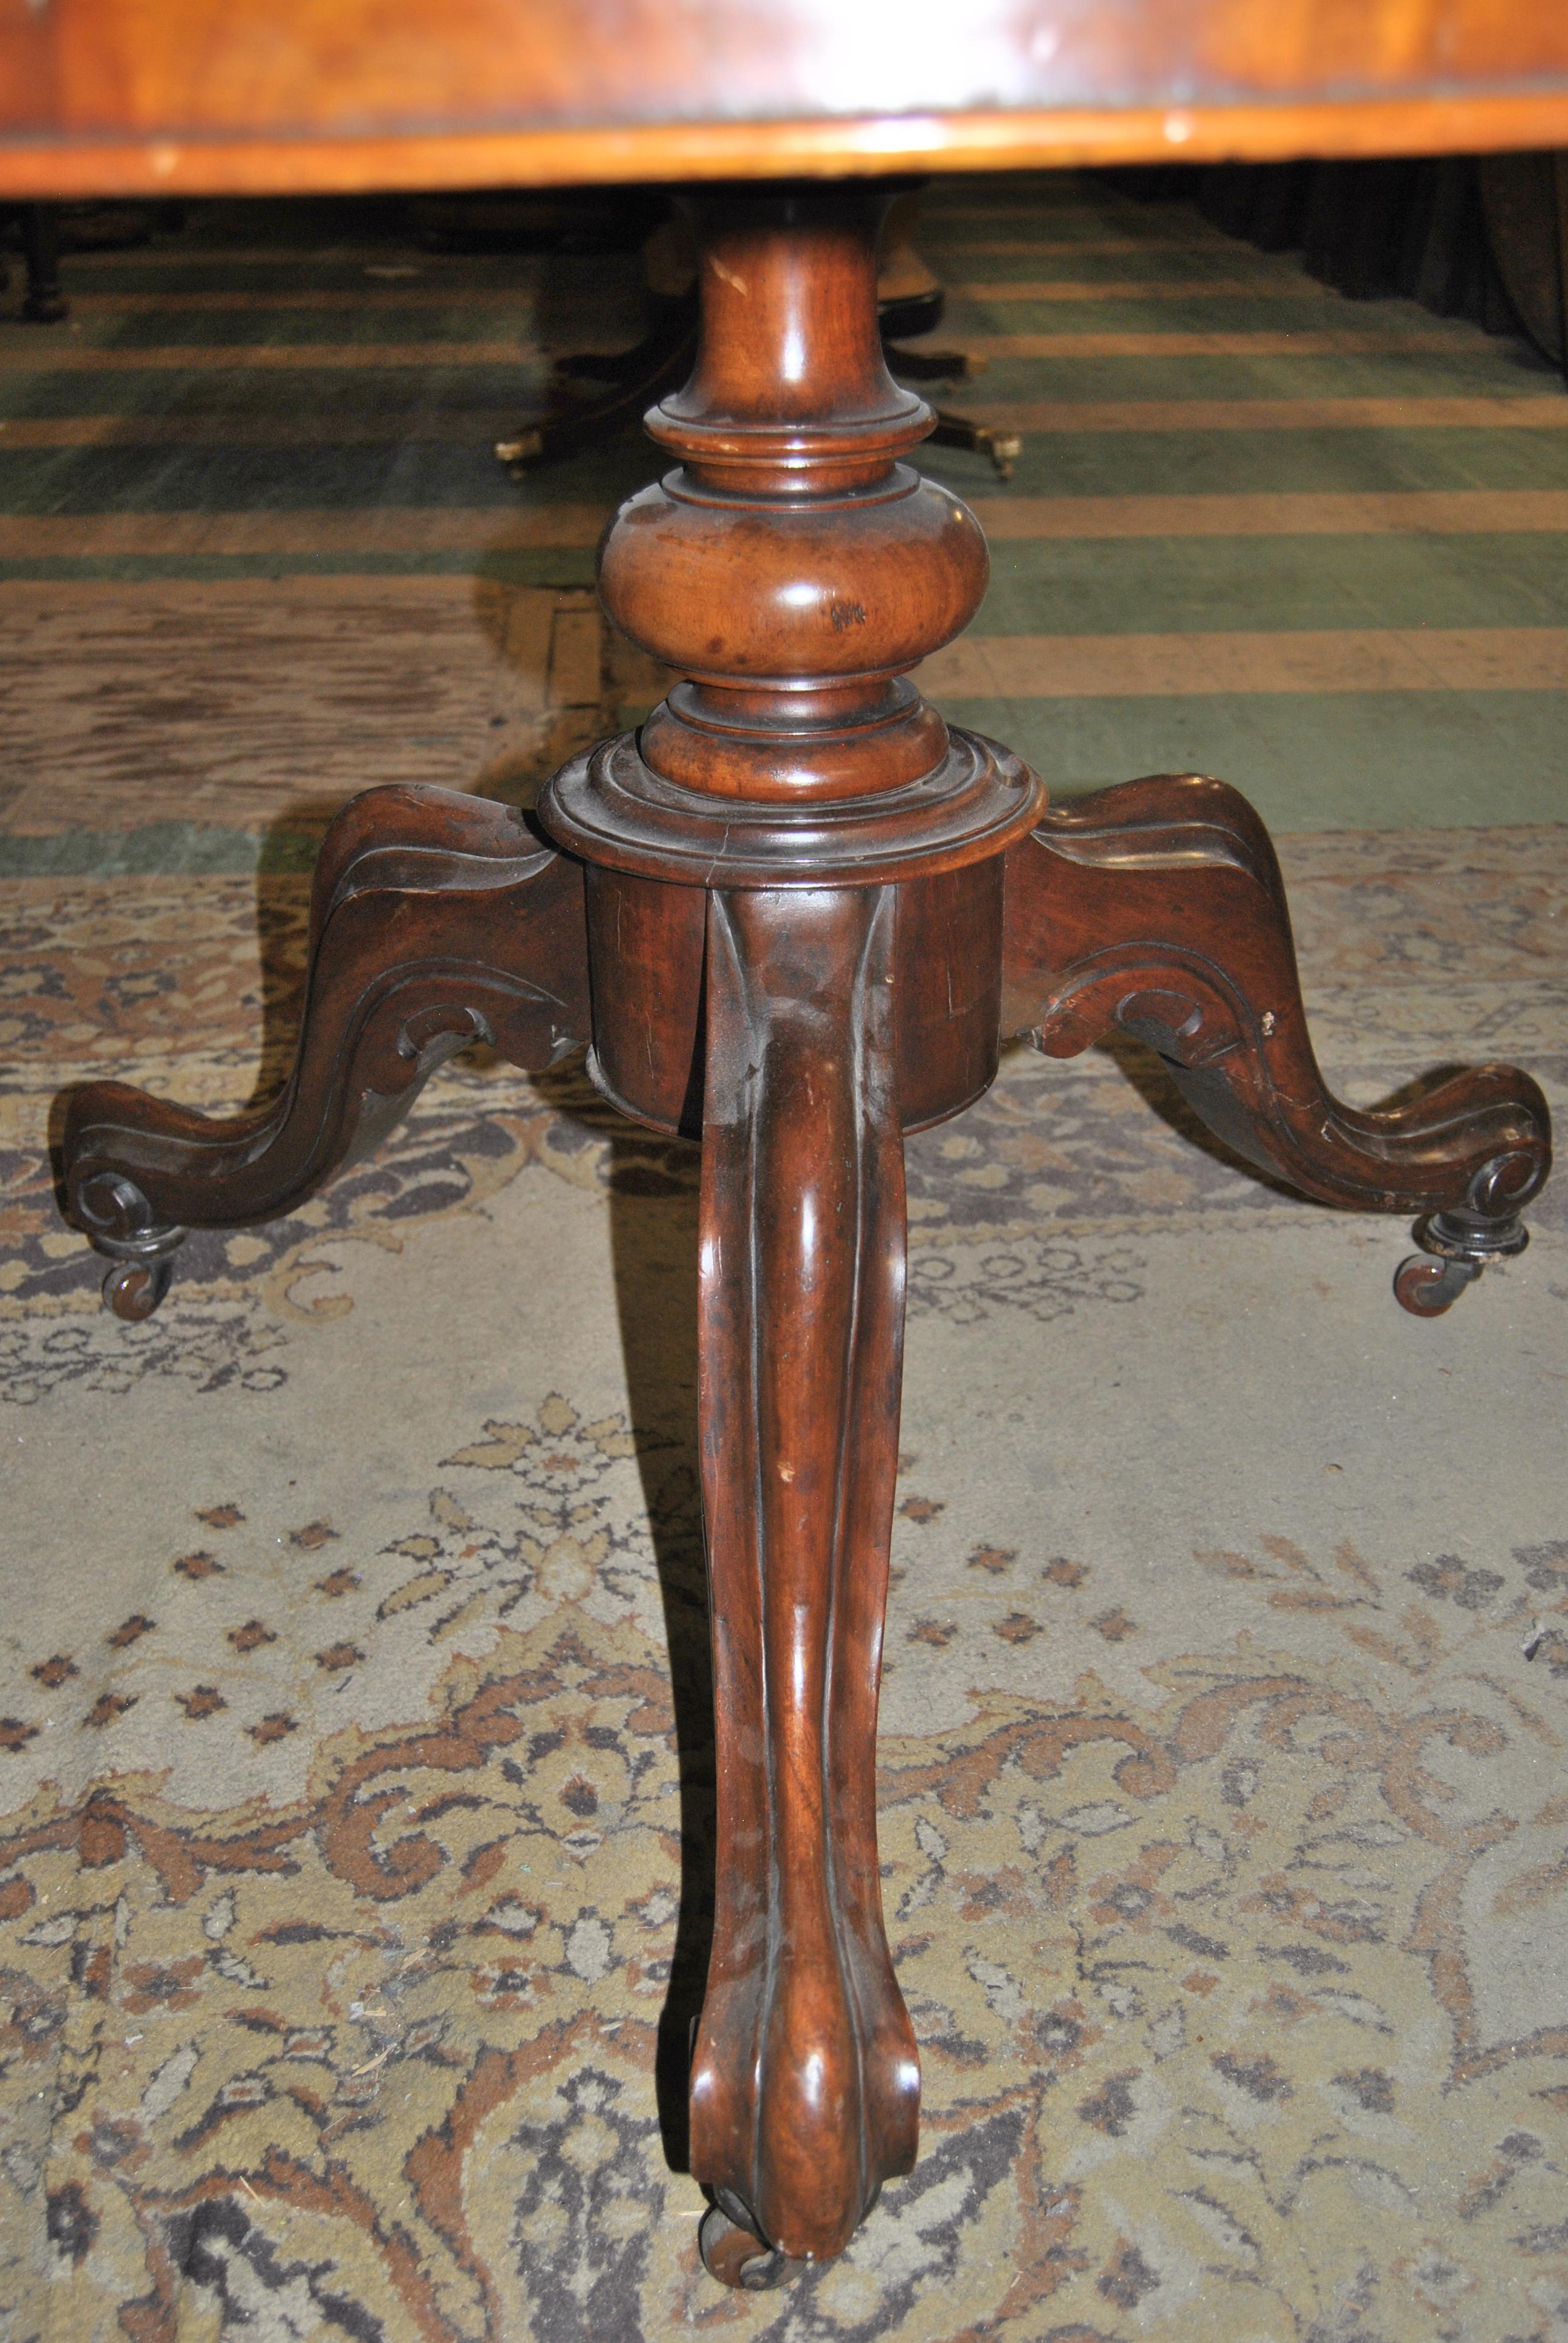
[[135, 97]]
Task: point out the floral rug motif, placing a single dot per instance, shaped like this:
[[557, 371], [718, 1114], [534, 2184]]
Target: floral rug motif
[[355, 1728]]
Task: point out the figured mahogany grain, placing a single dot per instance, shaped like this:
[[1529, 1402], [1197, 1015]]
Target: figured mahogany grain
[[133, 96], [793, 569], [796, 911], [647, 952]]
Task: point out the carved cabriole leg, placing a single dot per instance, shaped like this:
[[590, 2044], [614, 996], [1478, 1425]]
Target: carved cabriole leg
[[805, 2089], [795, 936], [1157, 907], [436, 920]]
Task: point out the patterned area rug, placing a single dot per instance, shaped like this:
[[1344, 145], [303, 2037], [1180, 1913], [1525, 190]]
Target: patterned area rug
[[356, 1746]]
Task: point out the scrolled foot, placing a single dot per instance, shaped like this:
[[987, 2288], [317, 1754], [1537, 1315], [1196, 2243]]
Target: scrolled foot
[[436, 921], [1458, 1244], [1158, 908], [632, 379], [805, 2083], [734, 2253], [118, 1222]]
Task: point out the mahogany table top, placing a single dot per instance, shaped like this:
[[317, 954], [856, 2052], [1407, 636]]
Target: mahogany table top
[[134, 97]]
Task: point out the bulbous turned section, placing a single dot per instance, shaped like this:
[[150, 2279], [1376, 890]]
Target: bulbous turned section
[[843, 594], [837, 588], [792, 569]]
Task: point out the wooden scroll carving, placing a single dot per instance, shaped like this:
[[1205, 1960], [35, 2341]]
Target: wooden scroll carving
[[1157, 907], [436, 920], [793, 913]]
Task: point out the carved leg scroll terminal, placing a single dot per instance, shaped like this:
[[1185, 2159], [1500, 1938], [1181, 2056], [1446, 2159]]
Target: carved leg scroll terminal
[[805, 2089], [436, 920], [1157, 907]]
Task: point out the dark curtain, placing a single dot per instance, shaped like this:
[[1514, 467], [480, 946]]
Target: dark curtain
[[1472, 236]]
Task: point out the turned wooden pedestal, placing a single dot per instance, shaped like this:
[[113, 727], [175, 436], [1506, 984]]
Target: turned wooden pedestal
[[795, 915]]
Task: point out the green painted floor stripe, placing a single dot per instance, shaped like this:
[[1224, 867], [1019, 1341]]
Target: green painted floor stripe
[[488, 527], [1286, 462], [1165, 585], [1360, 761], [1471, 370], [214, 478], [527, 566], [1470, 367], [1150, 585], [158, 848], [248, 327]]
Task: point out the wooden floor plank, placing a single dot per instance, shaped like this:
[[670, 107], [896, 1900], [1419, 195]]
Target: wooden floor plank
[[233, 702], [1382, 658]]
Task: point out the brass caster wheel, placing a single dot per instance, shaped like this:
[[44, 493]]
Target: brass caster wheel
[[1459, 1244], [1004, 448], [134, 1289], [736, 2255], [117, 1221], [1426, 1288], [526, 449]]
